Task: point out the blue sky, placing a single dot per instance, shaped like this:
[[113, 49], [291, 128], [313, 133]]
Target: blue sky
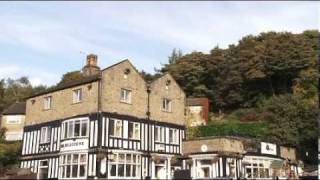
[[43, 40]]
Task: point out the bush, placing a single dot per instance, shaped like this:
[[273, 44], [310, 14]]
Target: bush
[[250, 130], [9, 153]]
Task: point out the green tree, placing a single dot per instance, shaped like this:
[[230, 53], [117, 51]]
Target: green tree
[[70, 76], [292, 121], [16, 90]]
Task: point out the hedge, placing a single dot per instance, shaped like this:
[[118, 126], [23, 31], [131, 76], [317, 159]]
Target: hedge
[[250, 130]]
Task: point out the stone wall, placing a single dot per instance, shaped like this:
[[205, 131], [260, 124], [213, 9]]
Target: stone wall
[[227, 145], [62, 104], [172, 92], [13, 127], [113, 79]]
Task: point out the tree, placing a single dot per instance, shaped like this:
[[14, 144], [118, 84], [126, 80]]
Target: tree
[[292, 121], [175, 56], [70, 76], [149, 77], [258, 67], [16, 90]]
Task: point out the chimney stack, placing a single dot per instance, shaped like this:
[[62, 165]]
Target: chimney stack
[[91, 68]]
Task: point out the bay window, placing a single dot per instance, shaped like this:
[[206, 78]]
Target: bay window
[[75, 128], [134, 130], [125, 165], [73, 166]]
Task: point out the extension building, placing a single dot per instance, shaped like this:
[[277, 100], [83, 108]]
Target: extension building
[[235, 157], [12, 119], [109, 124]]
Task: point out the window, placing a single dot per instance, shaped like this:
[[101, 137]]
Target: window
[[125, 96], [77, 95], [48, 102], [13, 119], [125, 165], [75, 128], [134, 130], [159, 134], [43, 169], [45, 134], [73, 166], [173, 136], [166, 105], [115, 128]]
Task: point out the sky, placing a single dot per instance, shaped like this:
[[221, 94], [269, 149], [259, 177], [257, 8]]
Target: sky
[[44, 40]]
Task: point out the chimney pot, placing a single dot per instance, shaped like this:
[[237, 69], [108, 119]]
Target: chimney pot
[[92, 60], [91, 68]]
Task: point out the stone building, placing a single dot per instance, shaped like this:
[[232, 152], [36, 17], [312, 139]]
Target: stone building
[[109, 124], [13, 119], [235, 157]]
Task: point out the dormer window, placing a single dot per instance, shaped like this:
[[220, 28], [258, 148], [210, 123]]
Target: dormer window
[[77, 96], [48, 102]]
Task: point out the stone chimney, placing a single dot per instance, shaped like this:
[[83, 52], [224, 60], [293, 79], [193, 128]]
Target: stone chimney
[[91, 68]]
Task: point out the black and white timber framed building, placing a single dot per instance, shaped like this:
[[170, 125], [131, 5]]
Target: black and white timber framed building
[[102, 144]]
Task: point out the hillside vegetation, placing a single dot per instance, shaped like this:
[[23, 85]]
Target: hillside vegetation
[[264, 87]]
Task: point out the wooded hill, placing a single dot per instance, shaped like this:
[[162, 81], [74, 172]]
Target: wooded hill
[[264, 87]]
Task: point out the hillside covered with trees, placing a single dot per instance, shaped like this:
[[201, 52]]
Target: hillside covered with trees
[[264, 87]]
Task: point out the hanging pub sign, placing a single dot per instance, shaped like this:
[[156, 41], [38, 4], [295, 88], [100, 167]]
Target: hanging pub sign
[[268, 148], [74, 144]]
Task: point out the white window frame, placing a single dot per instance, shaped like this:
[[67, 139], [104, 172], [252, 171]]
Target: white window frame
[[115, 162], [77, 95], [175, 138], [47, 103], [135, 130], [160, 134], [117, 133], [68, 130], [45, 134], [64, 164], [41, 166], [125, 95], [166, 105]]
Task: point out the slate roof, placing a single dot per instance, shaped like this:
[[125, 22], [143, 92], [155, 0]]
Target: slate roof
[[15, 109]]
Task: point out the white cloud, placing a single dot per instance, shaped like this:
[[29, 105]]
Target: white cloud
[[139, 31]]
